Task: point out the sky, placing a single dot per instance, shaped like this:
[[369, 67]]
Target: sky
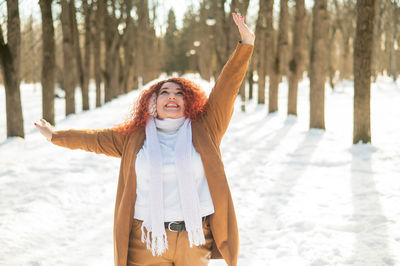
[[31, 8]]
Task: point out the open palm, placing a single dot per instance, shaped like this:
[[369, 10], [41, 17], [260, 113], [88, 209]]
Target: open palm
[[245, 33]]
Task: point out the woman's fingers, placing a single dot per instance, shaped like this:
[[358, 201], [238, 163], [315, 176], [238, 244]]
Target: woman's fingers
[[45, 129], [235, 18], [239, 20], [245, 33], [44, 122]]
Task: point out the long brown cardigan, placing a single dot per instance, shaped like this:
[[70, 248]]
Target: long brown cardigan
[[207, 132]]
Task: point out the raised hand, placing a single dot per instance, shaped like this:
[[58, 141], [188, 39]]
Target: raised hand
[[245, 33], [45, 129]]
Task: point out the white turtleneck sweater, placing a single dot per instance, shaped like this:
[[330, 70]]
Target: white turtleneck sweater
[[167, 130]]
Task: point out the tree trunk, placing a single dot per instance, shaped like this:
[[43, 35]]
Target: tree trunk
[[363, 46], [393, 57], [148, 43], [331, 55], [318, 59], [280, 61], [96, 49], [242, 93], [49, 61], [10, 62], [128, 70], [345, 22], [345, 69], [263, 45], [376, 52], [297, 62], [87, 11], [204, 35], [221, 27], [109, 62], [68, 56], [250, 79], [78, 56], [260, 47]]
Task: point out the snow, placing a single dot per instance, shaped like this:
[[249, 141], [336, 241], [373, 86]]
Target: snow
[[302, 197]]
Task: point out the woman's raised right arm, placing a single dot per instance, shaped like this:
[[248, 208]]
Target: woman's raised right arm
[[104, 141]]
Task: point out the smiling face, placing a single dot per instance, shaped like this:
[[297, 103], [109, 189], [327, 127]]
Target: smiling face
[[170, 102]]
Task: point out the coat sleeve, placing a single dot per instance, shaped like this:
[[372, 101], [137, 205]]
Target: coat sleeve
[[220, 103], [104, 141]]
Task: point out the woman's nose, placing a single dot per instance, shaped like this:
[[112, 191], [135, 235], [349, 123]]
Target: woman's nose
[[171, 96]]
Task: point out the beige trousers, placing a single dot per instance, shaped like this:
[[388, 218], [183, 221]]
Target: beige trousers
[[179, 253]]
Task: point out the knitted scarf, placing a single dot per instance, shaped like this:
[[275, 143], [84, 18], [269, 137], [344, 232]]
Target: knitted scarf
[[156, 237]]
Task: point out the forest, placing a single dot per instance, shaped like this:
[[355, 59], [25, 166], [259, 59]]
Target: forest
[[119, 46]]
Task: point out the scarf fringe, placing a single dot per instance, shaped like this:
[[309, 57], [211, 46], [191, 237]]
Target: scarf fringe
[[196, 237], [157, 245]]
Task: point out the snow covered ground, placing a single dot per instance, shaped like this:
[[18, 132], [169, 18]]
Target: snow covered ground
[[302, 197]]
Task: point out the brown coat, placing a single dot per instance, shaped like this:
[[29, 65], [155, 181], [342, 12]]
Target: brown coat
[[207, 132]]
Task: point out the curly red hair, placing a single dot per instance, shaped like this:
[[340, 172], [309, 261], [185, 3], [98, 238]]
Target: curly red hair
[[195, 100]]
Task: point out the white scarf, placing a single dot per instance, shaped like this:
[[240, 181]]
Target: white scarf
[[189, 199]]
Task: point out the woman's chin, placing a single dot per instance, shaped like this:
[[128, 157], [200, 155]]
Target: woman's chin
[[170, 115]]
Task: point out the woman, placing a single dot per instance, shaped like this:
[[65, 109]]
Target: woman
[[173, 204]]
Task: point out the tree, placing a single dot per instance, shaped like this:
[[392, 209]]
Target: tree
[[204, 38], [68, 57], [318, 64], [31, 46], [263, 45], [112, 45], [345, 23], [10, 62], [363, 47], [331, 55], [96, 36], [250, 79], [170, 43], [129, 72], [87, 12], [297, 61], [220, 28], [394, 26], [147, 61], [280, 60], [260, 47], [77, 53], [49, 61], [377, 53]]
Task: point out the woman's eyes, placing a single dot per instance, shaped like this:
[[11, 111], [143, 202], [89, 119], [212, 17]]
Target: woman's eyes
[[166, 92]]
